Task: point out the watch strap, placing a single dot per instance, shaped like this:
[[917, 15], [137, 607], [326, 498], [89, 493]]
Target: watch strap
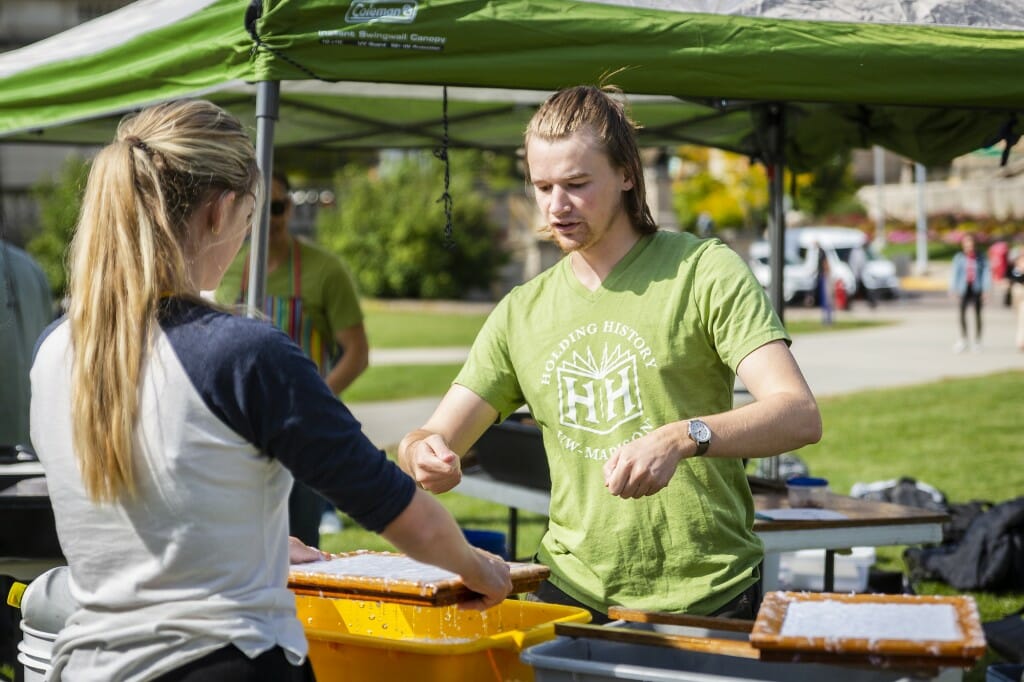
[[702, 447]]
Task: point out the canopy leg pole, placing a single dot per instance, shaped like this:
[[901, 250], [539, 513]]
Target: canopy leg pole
[[879, 158], [777, 227], [268, 95], [922, 221], [776, 196]]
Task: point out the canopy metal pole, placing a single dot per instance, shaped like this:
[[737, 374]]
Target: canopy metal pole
[[777, 227], [922, 220], [879, 197], [267, 105]]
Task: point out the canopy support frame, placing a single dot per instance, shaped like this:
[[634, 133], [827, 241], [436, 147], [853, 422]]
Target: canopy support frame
[[268, 100]]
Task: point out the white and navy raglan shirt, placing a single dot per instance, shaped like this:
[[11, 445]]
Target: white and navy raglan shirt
[[229, 410]]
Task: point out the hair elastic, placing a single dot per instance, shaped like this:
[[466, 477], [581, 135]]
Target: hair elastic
[[134, 141]]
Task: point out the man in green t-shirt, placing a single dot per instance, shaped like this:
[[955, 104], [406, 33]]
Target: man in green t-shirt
[[626, 353], [311, 296]]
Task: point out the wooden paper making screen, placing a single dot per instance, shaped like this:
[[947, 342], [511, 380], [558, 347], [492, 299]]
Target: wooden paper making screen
[[395, 577]]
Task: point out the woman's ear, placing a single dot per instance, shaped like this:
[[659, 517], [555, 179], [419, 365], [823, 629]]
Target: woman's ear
[[220, 210]]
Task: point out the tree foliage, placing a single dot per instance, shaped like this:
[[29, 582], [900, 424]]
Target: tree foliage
[[733, 194], [389, 227], [60, 202], [829, 188]]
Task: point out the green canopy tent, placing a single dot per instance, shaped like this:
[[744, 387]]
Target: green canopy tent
[[787, 82]]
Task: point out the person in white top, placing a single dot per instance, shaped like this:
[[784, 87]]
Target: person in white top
[[170, 430]]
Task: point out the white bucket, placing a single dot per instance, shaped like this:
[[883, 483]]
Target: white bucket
[[36, 643], [35, 651], [34, 669], [45, 606], [47, 601]]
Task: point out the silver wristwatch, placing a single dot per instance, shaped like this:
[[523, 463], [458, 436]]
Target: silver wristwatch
[[699, 433]]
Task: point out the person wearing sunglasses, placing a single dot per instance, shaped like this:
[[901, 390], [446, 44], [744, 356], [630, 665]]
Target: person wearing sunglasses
[[311, 296]]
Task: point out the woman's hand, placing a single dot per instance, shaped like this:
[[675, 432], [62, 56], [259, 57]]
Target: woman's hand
[[301, 553], [491, 579]]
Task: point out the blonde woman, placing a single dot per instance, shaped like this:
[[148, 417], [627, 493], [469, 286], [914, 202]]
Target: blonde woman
[[170, 430]]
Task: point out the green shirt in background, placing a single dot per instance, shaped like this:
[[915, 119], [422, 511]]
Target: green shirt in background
[[329, 302], [658, 342]]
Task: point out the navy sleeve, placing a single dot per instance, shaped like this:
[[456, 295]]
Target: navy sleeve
[[262, 385]]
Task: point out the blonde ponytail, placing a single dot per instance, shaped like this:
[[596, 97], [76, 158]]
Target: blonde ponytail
[[129, 249]]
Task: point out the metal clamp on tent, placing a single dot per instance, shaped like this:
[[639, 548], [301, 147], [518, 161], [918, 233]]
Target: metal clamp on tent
[[253, 13], [1008, 135]]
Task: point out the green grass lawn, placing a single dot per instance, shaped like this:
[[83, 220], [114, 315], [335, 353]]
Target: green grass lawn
[[806, 326], [396, 327], [398, 382], [962, 436]]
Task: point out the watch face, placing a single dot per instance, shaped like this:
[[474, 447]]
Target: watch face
[[700, 431]]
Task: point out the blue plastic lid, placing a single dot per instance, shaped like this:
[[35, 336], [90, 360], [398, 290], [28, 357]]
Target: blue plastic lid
[[807, 481]]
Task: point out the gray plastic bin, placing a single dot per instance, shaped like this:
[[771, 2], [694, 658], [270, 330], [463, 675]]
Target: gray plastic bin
[[1004, 672], [585, 660]]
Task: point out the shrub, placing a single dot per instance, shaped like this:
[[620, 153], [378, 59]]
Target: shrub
[[390, 228], [60, 202]]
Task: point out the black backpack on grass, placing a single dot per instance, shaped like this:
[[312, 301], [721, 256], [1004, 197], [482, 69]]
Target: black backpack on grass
[[989, 556]]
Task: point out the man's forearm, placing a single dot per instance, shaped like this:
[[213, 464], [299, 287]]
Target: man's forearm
[[776, 424]]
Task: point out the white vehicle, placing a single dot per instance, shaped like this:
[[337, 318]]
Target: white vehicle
[[798, 281], [845, 248], [851, 256]]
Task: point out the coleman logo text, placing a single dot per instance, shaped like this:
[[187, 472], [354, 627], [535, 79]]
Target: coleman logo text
[[383, 12]]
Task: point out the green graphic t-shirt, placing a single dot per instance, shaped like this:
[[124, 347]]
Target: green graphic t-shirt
[[658, 342]]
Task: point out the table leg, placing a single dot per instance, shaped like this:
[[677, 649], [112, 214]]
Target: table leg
[[829, 582], [770, 572], [513, 532]]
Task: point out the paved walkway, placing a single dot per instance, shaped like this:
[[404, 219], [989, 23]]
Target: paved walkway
[[916, 348]]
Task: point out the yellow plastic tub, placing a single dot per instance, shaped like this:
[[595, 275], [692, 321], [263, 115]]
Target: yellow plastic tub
[[355, 640]]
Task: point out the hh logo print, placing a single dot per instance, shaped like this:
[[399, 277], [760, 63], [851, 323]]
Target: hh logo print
[[599, 396]]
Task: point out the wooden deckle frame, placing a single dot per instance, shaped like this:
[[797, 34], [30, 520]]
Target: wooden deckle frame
[[766, 634], [525, 578], [767, 644]]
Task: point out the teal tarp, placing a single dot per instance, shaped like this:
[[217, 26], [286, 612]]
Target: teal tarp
[[929, 92]]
